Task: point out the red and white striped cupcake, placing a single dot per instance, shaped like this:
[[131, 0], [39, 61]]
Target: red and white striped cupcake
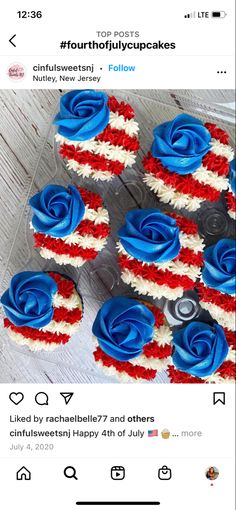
[[133, 339], [188, 163], [97, 134], [160, 255], [43, 310], [217, 287], [225, 372], [231, 193], [70, 225]]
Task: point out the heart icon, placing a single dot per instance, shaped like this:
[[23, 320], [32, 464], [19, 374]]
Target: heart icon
[[16, 398]]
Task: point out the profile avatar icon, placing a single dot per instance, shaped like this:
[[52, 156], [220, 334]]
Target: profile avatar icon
[[212, 473]]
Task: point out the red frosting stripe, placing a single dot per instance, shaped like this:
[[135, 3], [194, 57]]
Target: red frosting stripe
[[36, 334], [189, 257], [185, 184], [224, 301], [158, 314], [118, 137], [61, 314], [121, 108], [178, 377], [153, 350], [231, 201], [231, 338], [136, 372], [91, 199], [216, 163], [65, 287], [96, 161], [227, 369], [58, 246], [187, 226], [154, 274], [217, 133], [88, 227]]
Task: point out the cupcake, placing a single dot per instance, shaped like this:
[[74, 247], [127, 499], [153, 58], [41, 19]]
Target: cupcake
[[97, 134], [43, 310], [218, 284], [188, 162], [160, 255], [203, 353], [231, 194], [71, 225], [132, 339]]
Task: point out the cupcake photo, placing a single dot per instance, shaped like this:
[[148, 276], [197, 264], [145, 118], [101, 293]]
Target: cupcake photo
[[203, 353], [160, 255], [217, 287], [133, 339], [71, 225], [188, 162], [43, 310], [97, 135], [231, 193]]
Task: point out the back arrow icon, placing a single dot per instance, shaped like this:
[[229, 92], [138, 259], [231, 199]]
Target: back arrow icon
[[10, 40]]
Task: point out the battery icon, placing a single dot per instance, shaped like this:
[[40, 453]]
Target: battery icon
[[218, 14]]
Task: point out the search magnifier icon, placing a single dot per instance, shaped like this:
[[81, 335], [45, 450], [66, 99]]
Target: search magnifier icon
[[70, 472]]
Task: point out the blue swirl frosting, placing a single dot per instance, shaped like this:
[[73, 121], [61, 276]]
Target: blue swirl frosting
[[28, 301], [123, 326], [199, 349], [232, 175], [83, 114], [57, 210], [181, 143], [150, 235], [220, 266]]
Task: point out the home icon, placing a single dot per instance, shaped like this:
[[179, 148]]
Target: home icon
[[23, 474]]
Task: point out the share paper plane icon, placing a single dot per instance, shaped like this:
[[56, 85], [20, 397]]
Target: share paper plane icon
[[67, 397]]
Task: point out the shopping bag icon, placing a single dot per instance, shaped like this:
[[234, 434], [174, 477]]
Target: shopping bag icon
[[164, 473]]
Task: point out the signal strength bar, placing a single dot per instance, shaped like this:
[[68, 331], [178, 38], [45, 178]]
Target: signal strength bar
[[190, 15]]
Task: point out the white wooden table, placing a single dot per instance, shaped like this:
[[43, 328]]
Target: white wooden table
[[29, 161]]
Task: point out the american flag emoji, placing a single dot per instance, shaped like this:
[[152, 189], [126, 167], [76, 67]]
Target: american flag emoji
[[153, 433]]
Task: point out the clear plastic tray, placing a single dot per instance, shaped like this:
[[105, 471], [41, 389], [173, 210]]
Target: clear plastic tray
[[100, 279]]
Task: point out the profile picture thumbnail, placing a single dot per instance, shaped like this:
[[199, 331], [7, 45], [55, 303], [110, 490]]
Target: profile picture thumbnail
[[212, 473]]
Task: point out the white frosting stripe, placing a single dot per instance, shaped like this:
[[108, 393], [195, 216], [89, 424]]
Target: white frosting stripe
[[205, 176], [74, 301], [99, 215], [226, 319], [146, 287], [191, 241], [130, 126], [61, 259], [221, 149], [87, 171], [85, 241], [169, 195]]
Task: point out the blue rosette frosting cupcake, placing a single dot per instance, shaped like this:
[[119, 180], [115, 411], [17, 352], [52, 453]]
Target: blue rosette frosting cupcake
[[160, 255], [188, 162], [133, 339], [71, 225], [202, 353], [97, 134], [217, 287], [42, 310]]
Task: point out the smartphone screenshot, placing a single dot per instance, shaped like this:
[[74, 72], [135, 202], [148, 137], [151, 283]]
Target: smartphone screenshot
[[117, 255]]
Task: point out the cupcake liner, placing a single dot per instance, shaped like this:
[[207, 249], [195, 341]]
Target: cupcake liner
[[226, 373], [68, 312], [155, 356], [191, 190], [169, 279], [110, 152], [87, 240]]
